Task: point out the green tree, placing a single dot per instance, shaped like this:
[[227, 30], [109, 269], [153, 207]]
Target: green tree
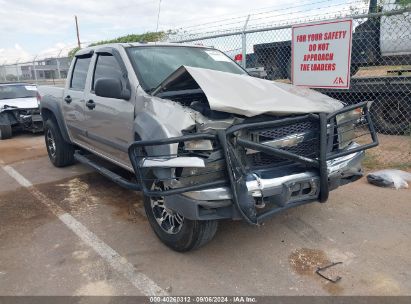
[[146, 37], [73, 52]]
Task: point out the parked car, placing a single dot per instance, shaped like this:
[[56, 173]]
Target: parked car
[[19, 109], [204, 140]]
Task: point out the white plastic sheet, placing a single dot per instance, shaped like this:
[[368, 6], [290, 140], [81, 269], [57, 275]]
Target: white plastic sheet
[[390, 178]]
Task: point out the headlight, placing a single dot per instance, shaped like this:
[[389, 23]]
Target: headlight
[[198, 145], [346, 126]]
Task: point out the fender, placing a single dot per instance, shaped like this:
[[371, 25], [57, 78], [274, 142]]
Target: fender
[[48, 109], [149, 126]]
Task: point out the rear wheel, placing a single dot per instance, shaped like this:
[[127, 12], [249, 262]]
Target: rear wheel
[[175, 231], [60, 152], [5, 131]]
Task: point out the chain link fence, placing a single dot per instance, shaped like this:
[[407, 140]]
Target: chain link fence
[[380, 62], [47, 68], [380, 67]]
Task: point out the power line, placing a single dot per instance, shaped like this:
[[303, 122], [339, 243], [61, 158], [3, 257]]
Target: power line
[[193, 34], [235, 14], [269, 17]]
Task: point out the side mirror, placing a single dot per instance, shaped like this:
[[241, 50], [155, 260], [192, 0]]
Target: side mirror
[[111, 88]]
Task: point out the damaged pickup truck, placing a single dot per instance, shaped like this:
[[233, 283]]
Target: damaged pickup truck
[[202, 139], [19, 109]]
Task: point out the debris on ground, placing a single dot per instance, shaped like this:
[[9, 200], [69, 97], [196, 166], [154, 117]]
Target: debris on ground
[[389, 178], [320, 269]]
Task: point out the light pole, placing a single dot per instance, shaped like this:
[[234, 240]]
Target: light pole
[[158, 14]]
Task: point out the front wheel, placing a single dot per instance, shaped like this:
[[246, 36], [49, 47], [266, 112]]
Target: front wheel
[[175, 231]]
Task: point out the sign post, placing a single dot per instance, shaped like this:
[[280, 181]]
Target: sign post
[[321, 54]]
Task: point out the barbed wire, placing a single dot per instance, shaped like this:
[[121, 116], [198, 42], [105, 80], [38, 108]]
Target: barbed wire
[[242, 17], [338, 12]]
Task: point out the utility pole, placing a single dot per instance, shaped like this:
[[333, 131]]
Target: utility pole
[[78, 34]]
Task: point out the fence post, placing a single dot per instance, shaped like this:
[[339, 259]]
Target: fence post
[[58, 64], [17, 69], [244, 44], [34, 69], [4, 71]]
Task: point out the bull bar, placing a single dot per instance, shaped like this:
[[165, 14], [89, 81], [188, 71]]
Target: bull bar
[[234, 169]]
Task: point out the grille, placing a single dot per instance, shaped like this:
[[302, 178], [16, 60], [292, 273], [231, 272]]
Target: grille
[[286, 130], [308, 148]]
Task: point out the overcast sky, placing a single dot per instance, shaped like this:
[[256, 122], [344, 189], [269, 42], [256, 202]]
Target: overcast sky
[[30, 27]]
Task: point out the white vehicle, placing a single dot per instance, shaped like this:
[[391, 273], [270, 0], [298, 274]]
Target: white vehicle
[[19, 109]]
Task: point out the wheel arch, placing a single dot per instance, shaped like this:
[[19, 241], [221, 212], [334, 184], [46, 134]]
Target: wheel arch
[[53, 112]]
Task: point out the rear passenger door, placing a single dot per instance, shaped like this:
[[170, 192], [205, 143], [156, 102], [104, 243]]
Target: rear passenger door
[[109, 121], [73, 99]]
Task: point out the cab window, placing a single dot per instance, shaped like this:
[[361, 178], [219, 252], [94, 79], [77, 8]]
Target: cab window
[[79, 77]]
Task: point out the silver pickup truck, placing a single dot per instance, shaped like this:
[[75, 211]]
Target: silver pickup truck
[[202, 139]]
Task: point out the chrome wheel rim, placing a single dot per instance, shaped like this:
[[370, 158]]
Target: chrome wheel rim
[[51, 143], [170, 221]]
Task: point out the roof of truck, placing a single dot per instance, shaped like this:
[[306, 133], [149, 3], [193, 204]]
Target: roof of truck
[[135, 44]]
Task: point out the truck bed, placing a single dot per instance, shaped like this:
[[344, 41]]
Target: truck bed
[[51, 91]]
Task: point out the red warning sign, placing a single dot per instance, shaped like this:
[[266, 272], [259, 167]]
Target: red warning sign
[[321, 54]]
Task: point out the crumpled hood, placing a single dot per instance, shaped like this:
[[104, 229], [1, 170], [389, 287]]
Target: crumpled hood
[[21, 103], [250, 96]]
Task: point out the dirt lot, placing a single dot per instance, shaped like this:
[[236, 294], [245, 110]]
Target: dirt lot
[[71, 232], [392, 152]]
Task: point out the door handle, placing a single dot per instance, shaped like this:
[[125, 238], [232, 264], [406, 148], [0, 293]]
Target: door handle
[[90, 104], [68, 99]]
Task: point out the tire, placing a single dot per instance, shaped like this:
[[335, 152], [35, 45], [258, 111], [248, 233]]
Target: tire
[[5, 132], [188, 236], [391, 115], [61, 153]]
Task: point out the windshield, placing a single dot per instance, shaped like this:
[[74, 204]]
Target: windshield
[[155, 63], [17, 91]]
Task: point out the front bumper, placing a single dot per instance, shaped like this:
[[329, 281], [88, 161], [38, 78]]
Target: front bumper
[[255, 194], [271, 183], [22, 119], [276, 193]]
